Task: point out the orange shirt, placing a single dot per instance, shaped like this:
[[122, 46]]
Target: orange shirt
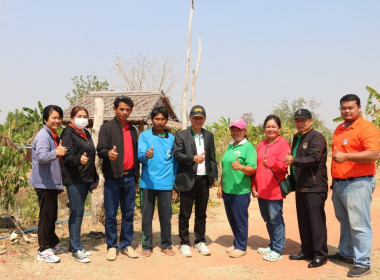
[[362, 135]]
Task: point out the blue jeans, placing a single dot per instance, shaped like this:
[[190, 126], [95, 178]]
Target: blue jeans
[[77, 194], [236, 206], [271, 211], [119, 190], [352, 203]]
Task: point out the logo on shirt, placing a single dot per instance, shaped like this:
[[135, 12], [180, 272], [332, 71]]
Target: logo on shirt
[[305, 145], [237, 153], [169, 153], [345, 141]]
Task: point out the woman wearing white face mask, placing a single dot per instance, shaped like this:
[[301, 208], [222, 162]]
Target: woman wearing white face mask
[[78, 174]]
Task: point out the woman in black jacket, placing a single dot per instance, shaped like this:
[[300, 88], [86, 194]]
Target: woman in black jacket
[[78, 174]]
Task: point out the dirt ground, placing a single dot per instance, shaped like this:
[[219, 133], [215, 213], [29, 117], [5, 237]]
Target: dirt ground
[[19, 261]]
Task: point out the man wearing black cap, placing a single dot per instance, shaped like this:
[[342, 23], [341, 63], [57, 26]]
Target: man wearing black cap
[[194, 151], [308, 167]]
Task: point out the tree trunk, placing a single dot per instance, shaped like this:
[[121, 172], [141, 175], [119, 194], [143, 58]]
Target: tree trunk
[[195, 71], [97, 198], [184, 94]]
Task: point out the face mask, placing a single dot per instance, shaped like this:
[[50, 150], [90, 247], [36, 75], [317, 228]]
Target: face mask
[[81, 123]]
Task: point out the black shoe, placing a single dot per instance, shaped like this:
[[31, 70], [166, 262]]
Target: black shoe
[[317, 262], [358, 271], [300, 256], [339, 258]]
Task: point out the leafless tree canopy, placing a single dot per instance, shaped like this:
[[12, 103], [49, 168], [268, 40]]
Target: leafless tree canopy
[[142, 74]]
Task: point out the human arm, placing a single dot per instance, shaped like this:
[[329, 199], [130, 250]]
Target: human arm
[[71, 158], [275, 158], [315, 148], [219, 193], [45, 154], [180, 151], [142, 149], [359, 157]]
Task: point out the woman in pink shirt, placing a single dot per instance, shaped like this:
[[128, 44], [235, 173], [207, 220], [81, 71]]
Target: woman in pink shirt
[[271, 154]]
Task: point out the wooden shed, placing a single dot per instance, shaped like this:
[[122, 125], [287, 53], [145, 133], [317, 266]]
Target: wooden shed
[[144, 103]]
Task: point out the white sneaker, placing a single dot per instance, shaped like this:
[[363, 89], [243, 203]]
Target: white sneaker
[[59, 249], [87, 253], [264, 251], [47, 256], [80, 256], [202, 248], [185, 251]]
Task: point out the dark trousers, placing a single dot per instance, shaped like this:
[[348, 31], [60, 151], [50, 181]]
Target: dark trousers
[[236, 206], [312, 223], [147, 203], [199, 195], [48, 202]]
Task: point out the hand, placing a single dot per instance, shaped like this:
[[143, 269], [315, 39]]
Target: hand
[[200, 158], [265, 161], [236, 165], [219, 194], [254, 193], [213, 184], [339, 157], [112, 154], [84, 159], [175, 196], [60, 151], [149, 153], [289, 158]]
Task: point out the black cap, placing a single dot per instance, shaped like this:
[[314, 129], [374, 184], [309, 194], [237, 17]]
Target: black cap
[[197, 111], [302, 114]]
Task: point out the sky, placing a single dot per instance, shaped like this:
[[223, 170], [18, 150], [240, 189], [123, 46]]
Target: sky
[[254, 53]]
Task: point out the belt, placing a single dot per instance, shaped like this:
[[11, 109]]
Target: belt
[[352, 178], [126, 172], [200, 177]]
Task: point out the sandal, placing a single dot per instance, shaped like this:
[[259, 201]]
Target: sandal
[[264, 251], [272, 257]]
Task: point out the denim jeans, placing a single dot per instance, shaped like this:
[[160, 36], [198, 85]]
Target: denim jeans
[[352, 203], [77, 194], [119, 190], [271, 211]]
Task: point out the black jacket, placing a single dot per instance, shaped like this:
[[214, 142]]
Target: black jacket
[[73, 172], [111, 134], [310, 162], [184, 152]]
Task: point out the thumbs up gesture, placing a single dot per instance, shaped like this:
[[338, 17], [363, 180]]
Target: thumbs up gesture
[[84, 159], [265, 161], [289, 158], [236, 165], [61, 150], [338, 157], [112, 154], [149, 153], [200, 158]]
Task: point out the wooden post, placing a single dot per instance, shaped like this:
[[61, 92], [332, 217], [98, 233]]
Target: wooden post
[[141, 126], [97, 197]]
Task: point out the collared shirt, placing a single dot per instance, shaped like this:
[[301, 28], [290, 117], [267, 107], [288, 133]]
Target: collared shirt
[[128, 148], [200, 144], [362, 135]]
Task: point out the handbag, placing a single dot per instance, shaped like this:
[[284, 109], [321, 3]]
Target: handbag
[[287, 185]]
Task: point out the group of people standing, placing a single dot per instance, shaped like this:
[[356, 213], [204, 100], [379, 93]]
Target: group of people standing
[[184, 166]]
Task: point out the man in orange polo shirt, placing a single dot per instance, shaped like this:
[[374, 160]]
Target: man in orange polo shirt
[[355, 149]]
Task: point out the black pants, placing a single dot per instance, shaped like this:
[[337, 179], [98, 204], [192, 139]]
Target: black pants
[[312, 223], [199, 195], [147, 202], [48, 201]]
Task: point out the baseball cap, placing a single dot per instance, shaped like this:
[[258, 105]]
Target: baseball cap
[[239, 124], [197, 111], [302, 114]]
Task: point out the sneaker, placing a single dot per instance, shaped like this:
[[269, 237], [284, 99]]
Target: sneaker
[[202, 248], [185, 251], [80, 256], [130, 252], [47, 256], [59, 249], [339, 258], [88, 253], [230, 249], [111, 254], [272, 256], [358, 271], [264, 251], [237, 253]]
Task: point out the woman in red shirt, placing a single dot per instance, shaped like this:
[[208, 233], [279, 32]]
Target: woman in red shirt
[[271, 154]]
